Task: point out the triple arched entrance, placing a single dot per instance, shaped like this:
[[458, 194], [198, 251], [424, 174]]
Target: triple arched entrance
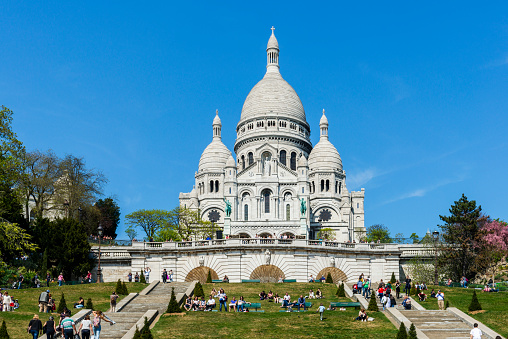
[[201, 274]]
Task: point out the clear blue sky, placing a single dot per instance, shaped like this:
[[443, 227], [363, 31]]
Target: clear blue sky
[[416, 93]]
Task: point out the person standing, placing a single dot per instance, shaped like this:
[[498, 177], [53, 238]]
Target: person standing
[[321, 310], [112, 301], [7, 300], [68, 326], [397, 289], [136, 277], [476, 333], [86, 327], [43, 301], [164, 276], [129, 276], [35, 326], [20, 280], [222, 300], [50, 328], [60, 279], [407, 288], [440, 300], [147, 274], [48, 279], [170, 276]]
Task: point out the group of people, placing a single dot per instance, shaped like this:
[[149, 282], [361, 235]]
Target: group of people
[[167, 276], [8, 303], [322, 279], [46, 302], [67, 326], [234, 305]]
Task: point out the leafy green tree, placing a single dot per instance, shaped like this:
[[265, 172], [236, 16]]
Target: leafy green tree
[[415, 238], [11, 151], [402, 334], [475, 304], [89, 304], [14, 241], [377, 233], [62, 305], [188, 223], [3, 331], [373, 304], [209, 277], [412, 332], [109, 215], [461, 233], [326, 234], [329, 279], [399, 238], [150, 221], [75, 249], [173, 304], [131, 232]]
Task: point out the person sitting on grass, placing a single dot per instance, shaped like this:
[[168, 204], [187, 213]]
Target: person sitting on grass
[[433, 294], [490, 289], [449, 283], [213, 292], [362, 315], [188, 304], [226, 279], [270, 296], [262, 295], [195, 304], [323, 279], [286, 300], [241, 304], [281, 280], [276, 298], [311, 279], [301, 303], [233, 304], [202, 304], [80, 303], [319, 294], [311, 295], [423, 286], [210, 304], [422, 296]]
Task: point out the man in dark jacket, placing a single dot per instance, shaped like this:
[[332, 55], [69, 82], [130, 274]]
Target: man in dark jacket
[[43, 301]]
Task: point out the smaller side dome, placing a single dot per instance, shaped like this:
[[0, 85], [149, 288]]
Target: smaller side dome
[[231, 162], [324, 157], [214, 157]]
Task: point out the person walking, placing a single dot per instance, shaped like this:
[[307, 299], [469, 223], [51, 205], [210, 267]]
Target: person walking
[[407, 288], [476, 333], [97, 323], [321, 310], [43, 301], [68, 326], [50, 328], [60, 279], [35, 326], [440, 300], [112, 301], [170, 276], [86, 327]]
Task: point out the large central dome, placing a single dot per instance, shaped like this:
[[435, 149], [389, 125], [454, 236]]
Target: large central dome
[[273, 96]]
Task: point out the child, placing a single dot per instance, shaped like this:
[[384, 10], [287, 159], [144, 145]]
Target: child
[[321, 310]]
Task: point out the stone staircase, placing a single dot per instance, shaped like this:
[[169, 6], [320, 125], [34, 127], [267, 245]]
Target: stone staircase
[[124, 322], [438, 324]]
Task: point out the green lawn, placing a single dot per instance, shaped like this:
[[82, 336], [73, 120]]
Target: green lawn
[[495, 304], [272, 323], [17, 320]]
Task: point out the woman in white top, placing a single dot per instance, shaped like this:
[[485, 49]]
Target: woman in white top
[[7, 302], [86, 328], [311, 295]]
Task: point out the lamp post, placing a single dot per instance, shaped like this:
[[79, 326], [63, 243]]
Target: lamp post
[[435, 235], [99, 231]]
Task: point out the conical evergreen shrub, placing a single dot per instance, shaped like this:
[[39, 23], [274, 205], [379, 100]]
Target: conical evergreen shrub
[[412, 291], [341, 293], [329, 279], [412, 332], [62, 305], [198, 290], [145, 331], [142, 278], [475, 304], [89, 304], [124, 289], [3, 331], [44, 265], [119, 288], [447, 304], [392, 279], [209, 277], [173, 304], [137, 334], [373, 304], [418, 290], [402, 334]]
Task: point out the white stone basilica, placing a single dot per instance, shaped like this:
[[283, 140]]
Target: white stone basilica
[[279, 184]]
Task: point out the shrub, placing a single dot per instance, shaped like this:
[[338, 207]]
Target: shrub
[[142, 278], [418, 290], [3, 331], [89, 304], [413, 290], [198, 290], [373, 304], [341, 293], [137, 334], [62, 305], [392, 279], [119, 288], [402, 334], [412, 332], [209, 277], [447, 304], [329, 279], [145, 331], [173, 304], [124, 288], [475, 304]]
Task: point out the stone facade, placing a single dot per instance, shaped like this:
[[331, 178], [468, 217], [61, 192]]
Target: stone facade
[[276, 172]]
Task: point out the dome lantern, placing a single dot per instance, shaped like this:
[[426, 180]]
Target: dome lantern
[[217, 125], [272, 54], [323, 126]]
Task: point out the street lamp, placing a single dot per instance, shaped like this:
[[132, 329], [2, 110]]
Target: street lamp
[[435, 235], [99, 231]]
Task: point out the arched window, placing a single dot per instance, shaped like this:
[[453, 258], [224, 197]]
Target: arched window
[[313, 187], [322, 185], [266, 196], [340, 188], [246, 212], [283, 157], [327, 185], [251, 158], [288, 212], [336, 187], [217, 186], [243, 162], [211, 186], [293, 161], [230, 190]]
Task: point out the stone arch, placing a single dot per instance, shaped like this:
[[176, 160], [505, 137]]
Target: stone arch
[[337, 275], [267, 273], [201, 273]]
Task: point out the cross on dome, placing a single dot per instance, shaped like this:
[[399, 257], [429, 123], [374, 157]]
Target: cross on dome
[[273, 29]]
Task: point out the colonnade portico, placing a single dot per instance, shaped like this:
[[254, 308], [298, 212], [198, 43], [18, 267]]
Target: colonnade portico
[[239, 259]]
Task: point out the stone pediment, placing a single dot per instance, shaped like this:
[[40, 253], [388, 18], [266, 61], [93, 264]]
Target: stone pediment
[[285, 172], [267, 147]]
